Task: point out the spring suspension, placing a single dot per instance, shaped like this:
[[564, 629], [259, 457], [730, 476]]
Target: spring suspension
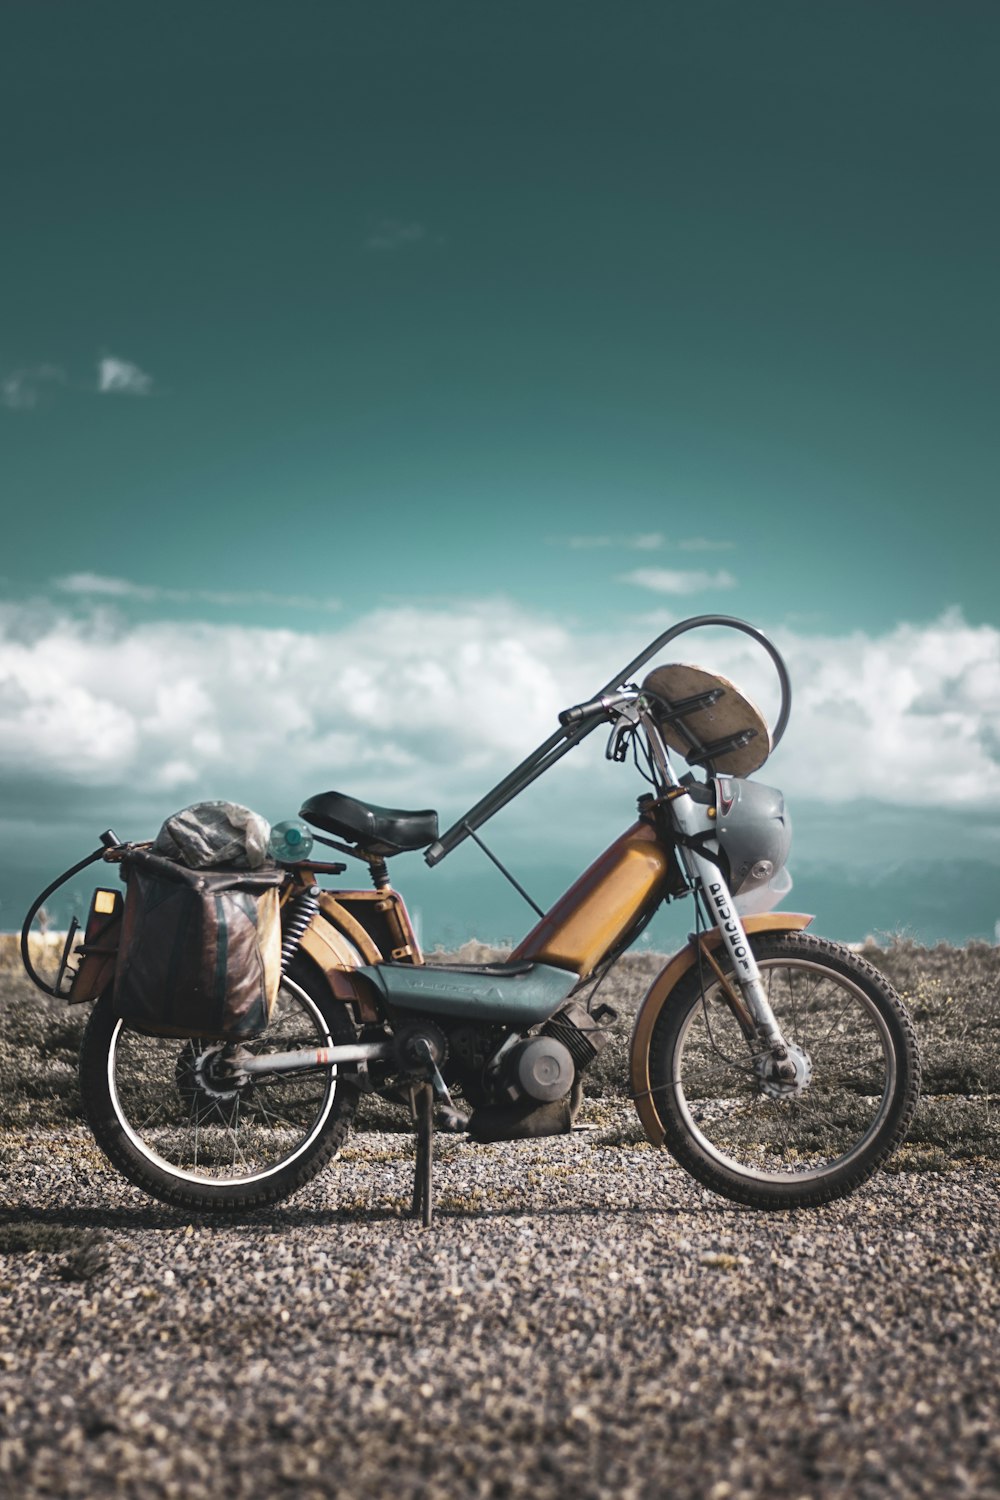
[[302, 910]]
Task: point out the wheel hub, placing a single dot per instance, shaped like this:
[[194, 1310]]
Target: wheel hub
[[776, 1087], [206, 1081]]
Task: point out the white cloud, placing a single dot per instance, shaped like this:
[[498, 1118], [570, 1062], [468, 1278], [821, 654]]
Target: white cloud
[[393, 234], [405, 698], [705, 544], [97, 585], [22, 390], [416, 705], [644, 541], [118, 377], [678, 580], [910, 717]]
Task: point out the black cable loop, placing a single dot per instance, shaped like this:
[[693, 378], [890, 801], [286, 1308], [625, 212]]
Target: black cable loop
[[36, 907]]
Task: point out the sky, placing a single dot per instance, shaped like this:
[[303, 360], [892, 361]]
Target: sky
[[376, 379]]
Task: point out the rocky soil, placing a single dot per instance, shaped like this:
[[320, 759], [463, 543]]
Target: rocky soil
[[582, 1320]]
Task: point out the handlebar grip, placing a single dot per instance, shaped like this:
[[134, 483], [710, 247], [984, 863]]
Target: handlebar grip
[[582, 711]]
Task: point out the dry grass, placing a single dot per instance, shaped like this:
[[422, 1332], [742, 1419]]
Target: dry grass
[[44, 948], [953, 995]]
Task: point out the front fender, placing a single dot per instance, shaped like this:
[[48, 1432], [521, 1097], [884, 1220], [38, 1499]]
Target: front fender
[[659, 993]]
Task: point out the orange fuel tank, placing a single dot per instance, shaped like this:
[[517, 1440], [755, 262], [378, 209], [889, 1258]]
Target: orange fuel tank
[[602, 905]]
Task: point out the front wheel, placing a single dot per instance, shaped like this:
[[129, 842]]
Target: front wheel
[[169, 1118], [771, 1145]]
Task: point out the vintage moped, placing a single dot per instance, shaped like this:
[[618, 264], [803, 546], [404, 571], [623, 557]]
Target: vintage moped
[[780, 1069]]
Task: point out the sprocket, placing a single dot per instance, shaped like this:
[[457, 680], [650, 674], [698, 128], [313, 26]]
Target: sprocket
[[410, 1056]]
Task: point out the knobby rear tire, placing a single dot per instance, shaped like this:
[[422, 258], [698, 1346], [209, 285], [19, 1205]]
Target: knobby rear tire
[[809, 1149], [113, 1096]]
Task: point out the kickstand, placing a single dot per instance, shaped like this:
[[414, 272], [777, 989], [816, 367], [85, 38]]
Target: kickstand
[[422, 1096]]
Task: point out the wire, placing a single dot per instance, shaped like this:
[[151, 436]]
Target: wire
[[602, 976], [616, 953], [647, 773]]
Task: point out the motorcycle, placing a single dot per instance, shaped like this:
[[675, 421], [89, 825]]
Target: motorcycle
[[780, 1069]]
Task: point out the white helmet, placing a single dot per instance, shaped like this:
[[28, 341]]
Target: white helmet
[[754, 833]]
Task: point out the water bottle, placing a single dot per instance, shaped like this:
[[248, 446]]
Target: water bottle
[[290, 841]]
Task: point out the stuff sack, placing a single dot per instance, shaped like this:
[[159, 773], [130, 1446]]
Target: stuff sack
[[200, 950], [215, 835]]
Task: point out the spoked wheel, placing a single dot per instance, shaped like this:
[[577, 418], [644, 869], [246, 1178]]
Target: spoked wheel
[[770, 1144], [173, 1120]]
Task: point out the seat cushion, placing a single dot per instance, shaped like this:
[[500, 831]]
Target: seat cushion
[[376, 830], [519, 994]]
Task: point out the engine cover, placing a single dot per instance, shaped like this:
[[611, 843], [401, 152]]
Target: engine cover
[[541, 1067]]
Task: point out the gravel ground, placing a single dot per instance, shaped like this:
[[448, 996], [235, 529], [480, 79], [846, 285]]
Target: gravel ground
[[582, 1320]]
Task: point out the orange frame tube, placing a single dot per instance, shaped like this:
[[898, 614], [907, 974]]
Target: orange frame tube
[[599, 908]]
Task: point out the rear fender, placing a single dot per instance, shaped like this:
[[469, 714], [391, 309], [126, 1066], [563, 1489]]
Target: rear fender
[[658, 996], [338, 960]]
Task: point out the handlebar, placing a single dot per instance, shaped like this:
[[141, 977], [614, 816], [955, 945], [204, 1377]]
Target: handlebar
[[597, 708], [698, 622], [580, 720]]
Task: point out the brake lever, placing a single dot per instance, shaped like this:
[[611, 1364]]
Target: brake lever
[[622, 731]]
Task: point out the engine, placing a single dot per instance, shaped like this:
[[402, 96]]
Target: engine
[[530, 1085], [518, 1085], [546, 1066]]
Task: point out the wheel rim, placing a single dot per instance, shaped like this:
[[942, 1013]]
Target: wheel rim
[[176, 1114], [823, 1126]]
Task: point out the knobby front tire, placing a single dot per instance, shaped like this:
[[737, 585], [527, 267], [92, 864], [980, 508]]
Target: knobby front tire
[[732, 1131], [187, 1137]]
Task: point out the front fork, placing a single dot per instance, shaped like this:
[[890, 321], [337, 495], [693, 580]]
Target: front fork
[[707, 875], [720, 904]]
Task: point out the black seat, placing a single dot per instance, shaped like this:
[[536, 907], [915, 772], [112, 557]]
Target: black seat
[[377, 830]]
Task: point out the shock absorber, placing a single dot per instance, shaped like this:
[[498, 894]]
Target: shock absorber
[[302, 909]]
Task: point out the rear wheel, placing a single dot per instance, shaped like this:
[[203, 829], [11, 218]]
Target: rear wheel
[[739, 1131], [167, 1115]]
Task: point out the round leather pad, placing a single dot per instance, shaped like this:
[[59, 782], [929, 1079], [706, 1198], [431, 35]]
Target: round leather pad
[[732, 713]]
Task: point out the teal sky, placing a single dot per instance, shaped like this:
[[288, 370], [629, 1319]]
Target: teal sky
[[590, 315]]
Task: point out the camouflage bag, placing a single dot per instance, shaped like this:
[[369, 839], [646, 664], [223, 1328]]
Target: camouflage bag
[[200, 950]]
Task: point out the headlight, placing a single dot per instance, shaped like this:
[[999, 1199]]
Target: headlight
[[762, 898]]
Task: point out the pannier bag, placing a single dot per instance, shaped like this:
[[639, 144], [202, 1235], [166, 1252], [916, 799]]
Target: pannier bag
[[200, 950]]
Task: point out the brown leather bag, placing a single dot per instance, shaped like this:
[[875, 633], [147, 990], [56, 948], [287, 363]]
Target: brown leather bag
[[200, 950]]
